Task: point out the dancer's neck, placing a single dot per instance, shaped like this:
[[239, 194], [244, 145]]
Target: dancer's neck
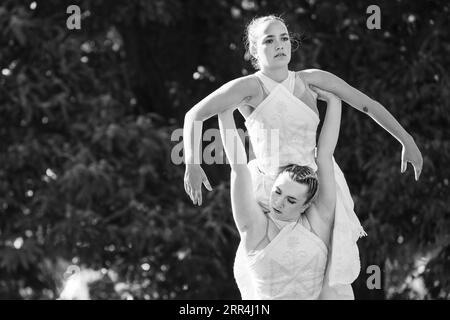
[[278, 75]]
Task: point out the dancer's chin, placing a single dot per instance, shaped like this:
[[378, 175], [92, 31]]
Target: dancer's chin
[[281, 60], [277, 212], [278, 215]]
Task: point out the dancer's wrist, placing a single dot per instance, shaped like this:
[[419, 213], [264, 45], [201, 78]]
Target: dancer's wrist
[[191, 164], [334, 102], [406, 139], [192, 158]]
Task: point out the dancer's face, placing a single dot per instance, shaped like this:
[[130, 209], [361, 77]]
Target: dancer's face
[[287, 198], [273, 45]]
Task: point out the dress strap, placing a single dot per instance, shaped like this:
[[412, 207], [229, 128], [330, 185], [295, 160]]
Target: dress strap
[[269, 83], [301, 82], [266, 236], [305, 222], [263, 87], [267, 229], [305, 87], [290, 85]]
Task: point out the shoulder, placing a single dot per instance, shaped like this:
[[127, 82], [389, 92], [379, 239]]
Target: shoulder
[[312, 74], [320, 78]]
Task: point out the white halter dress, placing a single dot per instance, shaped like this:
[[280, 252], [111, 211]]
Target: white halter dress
[[282, 130], [291, 267]]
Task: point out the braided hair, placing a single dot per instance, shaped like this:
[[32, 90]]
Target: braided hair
[[303, 175]]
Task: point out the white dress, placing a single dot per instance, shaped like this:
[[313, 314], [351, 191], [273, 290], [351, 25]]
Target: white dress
[[282, 130], [291, 267]]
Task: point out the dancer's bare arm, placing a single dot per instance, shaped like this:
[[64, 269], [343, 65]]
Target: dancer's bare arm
[[329, 82], [247, 214], [326, 198], [227, 96]]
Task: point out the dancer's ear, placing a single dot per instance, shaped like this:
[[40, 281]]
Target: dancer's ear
[[305, 206], [253, 51]]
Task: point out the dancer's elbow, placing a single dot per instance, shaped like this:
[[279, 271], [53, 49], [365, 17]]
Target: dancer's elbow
[[192, 115]]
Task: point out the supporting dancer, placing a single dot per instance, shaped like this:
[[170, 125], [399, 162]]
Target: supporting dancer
[[286, 246]]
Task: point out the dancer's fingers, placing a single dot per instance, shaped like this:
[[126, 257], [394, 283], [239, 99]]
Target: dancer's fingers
[[420, 164], [316, 90], [205, 181], [322, 94], [186, 188], [420, 167], [417, 171], [403, 166], [198, 197], [191, 193], [193, 196], [207, 184]]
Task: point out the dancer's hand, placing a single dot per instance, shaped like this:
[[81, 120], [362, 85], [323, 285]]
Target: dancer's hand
[[194, 176], [325, 95], [411, 153]]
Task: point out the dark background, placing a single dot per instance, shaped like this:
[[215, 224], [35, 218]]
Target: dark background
[[87, 185]]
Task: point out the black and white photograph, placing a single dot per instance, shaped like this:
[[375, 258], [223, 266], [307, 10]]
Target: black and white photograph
[[228, 150]]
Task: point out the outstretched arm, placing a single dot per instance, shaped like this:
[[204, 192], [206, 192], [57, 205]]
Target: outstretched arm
[[227, 96], [247, 215], [329, 82], [326, 198]]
